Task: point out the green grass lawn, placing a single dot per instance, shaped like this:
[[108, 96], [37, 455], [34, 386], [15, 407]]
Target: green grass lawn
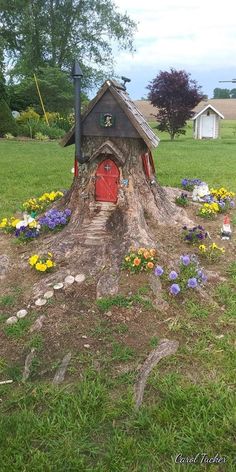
[[213, 161], [30, 168], [91, 425]]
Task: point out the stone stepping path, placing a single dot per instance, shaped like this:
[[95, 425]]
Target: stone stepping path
[[41, 301], [94, 233]]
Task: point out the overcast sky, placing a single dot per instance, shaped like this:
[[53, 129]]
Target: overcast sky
[[196, 35]]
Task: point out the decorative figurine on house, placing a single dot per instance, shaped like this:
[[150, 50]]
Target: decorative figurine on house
[[226, 230]]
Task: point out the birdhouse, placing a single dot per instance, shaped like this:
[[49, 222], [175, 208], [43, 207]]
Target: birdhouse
[[206, 123], [115, 140]]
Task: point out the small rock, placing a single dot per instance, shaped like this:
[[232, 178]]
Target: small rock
[[48, 294], [12, 320], [80, 278], [21, 313], [84, 337], [69, 280], [127, 318], [109, 313], [87, 346], [40, 302], [58, 286], [220, 336]]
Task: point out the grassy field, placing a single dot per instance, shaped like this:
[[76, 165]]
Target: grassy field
[[213, 161], [90, 425], [30, 168]]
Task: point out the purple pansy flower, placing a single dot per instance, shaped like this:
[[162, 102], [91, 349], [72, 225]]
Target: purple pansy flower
[[158, 271], [185, 260], [174, 289], [173, 275], [192, 282]]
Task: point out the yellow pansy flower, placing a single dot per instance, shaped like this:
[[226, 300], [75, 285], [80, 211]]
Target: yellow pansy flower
[[49, 263], [41, 267], [33, 259], [202, 248]]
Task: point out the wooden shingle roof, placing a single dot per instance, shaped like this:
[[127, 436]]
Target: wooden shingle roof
[[129, 108]]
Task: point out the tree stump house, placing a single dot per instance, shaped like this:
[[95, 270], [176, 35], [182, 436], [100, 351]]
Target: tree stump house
[[114, 138]]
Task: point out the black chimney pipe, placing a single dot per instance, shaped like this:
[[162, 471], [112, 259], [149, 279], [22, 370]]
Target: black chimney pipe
[[77, 74]]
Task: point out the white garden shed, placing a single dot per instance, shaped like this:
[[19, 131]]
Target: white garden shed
[[206, 123]]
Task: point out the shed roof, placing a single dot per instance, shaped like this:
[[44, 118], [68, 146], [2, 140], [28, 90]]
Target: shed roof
[[206, 108], [128, 106]]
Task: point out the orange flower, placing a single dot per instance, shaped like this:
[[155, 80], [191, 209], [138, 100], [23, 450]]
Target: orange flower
[[153, 252], [146, 255], [150, 265], [137, 261]]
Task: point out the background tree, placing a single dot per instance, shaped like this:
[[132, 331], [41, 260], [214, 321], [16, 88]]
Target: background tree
[[7, 122], [221, 93], [175, 95], [233, 93], [56, 89], [40, 33]]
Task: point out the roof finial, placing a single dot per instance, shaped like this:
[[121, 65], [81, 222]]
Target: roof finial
[[125, 79]]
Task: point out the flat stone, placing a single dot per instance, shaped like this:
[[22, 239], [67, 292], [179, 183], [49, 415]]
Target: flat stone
[[69, 280], [38, 324], [58, 286], [21, 313], [4, 265], [48, 294], [28, 364], [60, 374], [109, 313], [12, 320], [84, 337], [87, 346], [40, 302], [80, 278]]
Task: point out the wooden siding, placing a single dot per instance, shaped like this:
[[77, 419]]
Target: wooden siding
[[122, 127]]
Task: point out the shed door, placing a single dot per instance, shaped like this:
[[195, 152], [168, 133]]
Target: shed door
[[208, 126], [107, 178]]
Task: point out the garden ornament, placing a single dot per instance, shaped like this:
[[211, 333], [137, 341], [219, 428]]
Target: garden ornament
[[200, 191], [226, 230]]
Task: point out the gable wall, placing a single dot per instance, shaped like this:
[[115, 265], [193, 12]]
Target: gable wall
[[107, 104]]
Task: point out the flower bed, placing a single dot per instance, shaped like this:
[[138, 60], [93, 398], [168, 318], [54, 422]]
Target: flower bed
[[44, 263], [189, 184], [54, 219], [36, 205], [140, 259], [194, 235], [212, 252], [188, 275]]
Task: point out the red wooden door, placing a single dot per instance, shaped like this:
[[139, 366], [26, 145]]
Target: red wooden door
[[107, 178]]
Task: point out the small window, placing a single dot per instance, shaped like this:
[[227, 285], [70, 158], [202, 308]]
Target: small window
[[208, 113]]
